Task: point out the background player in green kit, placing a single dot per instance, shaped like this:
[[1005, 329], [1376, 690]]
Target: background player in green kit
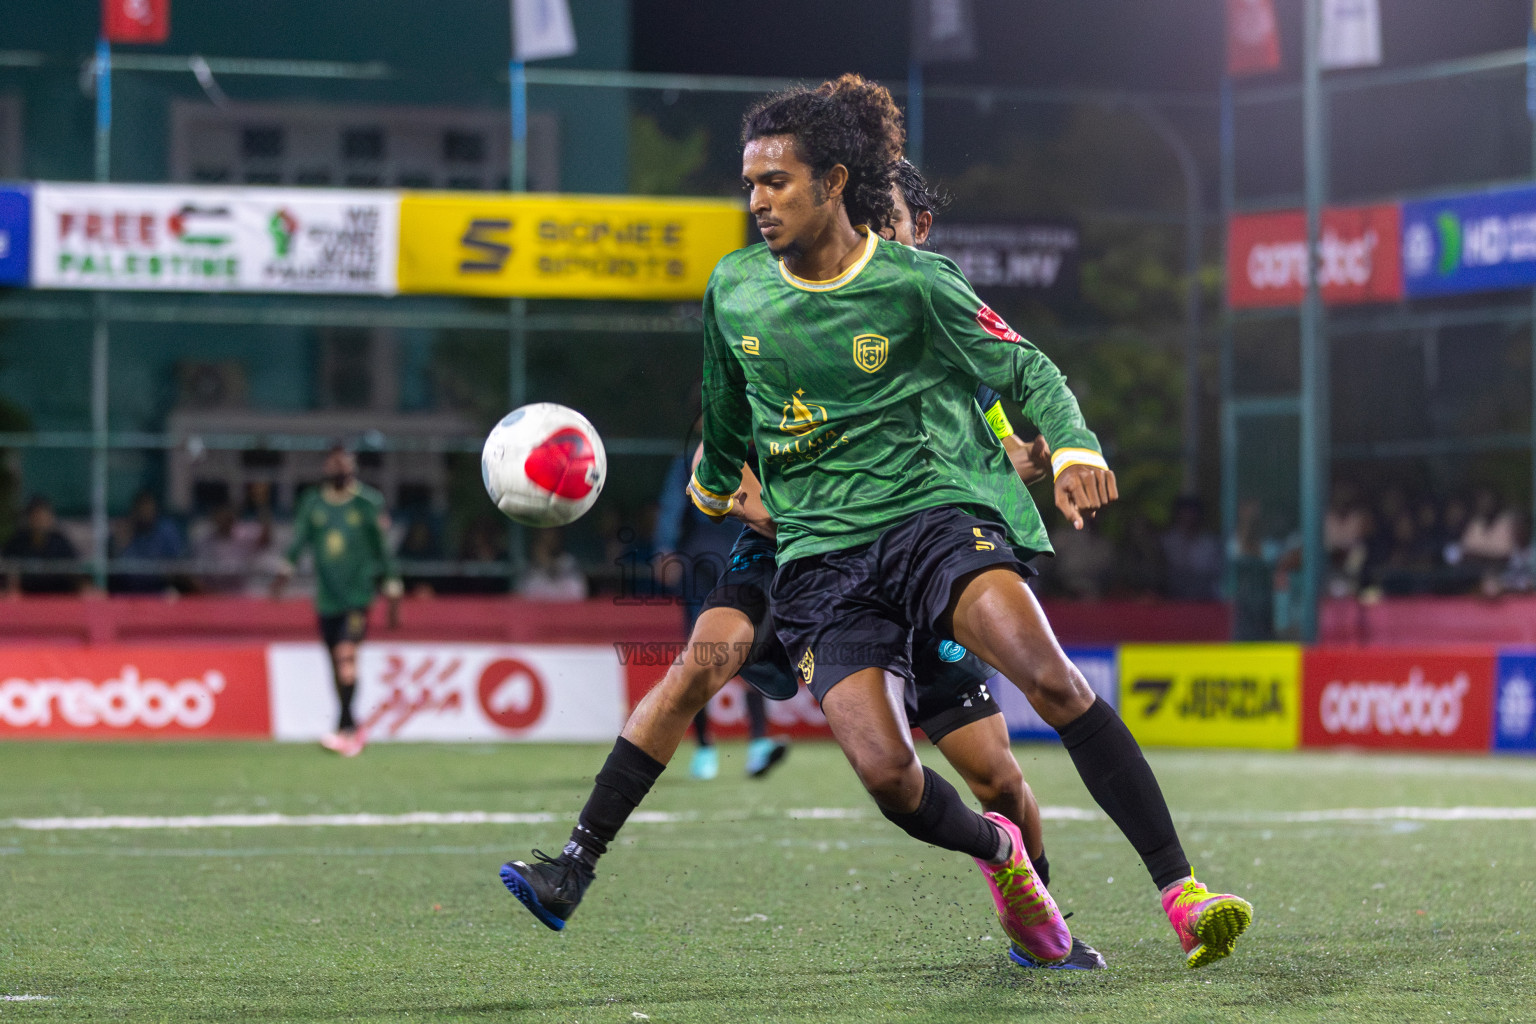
[[850, 364], [343, 524]]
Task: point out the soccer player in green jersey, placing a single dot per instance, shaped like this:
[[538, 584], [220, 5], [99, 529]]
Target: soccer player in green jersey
[[950, 702], [850, 363], [344, 525]]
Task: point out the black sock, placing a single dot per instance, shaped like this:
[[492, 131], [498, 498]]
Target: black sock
[[701, 726], [344, 693], [1042, 869], [1112, 767], [757, 713], [943, 820], [627, 776]]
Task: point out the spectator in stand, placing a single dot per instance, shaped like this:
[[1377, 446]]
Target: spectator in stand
[[1083, 563], [1520, 574], [151, 538], [552, 573], [1489, 539], [1192, 554], [226, 551], [420, 544], [485, 540], [41, 540]]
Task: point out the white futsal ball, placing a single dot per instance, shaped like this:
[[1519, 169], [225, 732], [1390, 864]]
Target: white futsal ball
[[543, 465]]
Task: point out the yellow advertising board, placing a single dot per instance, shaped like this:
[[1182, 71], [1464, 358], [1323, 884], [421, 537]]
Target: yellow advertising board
[[1212, 695], [564, 247]]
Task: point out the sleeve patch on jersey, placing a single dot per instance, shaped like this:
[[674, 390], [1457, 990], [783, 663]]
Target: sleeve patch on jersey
[[996, 325]]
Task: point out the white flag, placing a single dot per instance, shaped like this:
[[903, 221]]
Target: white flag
[[541, 29], [1351, 36]]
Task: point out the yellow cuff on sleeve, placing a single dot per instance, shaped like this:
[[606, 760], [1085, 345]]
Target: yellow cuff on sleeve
[[716, 506], [1061, 458], [998, 421]]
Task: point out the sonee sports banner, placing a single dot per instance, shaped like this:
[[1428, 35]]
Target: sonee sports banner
[[564, 247]]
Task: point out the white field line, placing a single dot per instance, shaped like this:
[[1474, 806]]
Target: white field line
[[191, 821], [24, 999]]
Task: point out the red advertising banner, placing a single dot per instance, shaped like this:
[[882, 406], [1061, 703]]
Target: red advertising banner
[[136, 21], [1403, 699], [1361, 257], [799, 717], [1253, 40], [134, 692]]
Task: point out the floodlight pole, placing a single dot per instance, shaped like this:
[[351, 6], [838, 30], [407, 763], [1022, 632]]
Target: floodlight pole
[[1228, 339], [517, 309], [1315, 426], [100, 334]]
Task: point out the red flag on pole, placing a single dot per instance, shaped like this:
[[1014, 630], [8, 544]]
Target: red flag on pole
[[136, 21], [1253, 40]]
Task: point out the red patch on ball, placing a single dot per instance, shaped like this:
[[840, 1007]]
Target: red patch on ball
[[564, 464]]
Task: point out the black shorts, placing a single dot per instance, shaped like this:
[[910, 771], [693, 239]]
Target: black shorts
[[842, 611], [344, 627], [951, 687], [744, 586]]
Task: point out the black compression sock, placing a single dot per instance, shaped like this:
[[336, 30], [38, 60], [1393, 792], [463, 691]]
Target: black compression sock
[[701, 726], [1112, 767], [943, 820], [344, 722], [757, 713], [627, 776], [1042, 869]]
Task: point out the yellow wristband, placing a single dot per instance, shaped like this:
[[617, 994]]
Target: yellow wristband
[[716, 506], [1061, 458]]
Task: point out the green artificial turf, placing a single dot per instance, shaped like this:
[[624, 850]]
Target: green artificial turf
[[735, 909]]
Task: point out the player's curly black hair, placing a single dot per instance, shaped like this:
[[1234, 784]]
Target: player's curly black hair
[[848, 121], [920, 196]]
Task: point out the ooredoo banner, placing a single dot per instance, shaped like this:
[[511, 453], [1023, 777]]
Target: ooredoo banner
[[134, 692], [191, 238], [1359, 257], [1413, 700], [1212, 695], [426, 691]]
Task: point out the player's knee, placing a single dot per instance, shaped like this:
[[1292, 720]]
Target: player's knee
[[893, 778], [1001, 788], [1057, 685]]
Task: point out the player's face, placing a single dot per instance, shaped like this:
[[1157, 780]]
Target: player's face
[[904, 227], [791, 206], [339, 468]]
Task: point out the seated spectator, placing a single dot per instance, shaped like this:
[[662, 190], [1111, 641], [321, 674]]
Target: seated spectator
[[226, 552], [40, 540], [1192, 555], [420, 544], [485, 540], [151, 538], [1490, 534], [1520, 573], [1084, 559], [552, 573]]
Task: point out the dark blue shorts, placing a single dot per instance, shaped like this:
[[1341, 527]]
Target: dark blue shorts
[[841, 611]]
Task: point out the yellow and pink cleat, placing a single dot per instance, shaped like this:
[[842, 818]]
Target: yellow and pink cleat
[[1026, 911], [1207, 923]]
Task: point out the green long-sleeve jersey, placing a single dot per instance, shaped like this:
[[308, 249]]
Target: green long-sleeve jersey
[[859, 395], [350, 548]]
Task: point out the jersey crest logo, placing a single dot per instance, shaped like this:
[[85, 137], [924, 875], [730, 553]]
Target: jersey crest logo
[[869, 351], [801, 418], [996, 325], [950, 651], [749, 344], [807, 666]]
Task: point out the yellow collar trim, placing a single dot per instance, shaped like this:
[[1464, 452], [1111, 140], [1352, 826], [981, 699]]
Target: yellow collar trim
[[872, 241]]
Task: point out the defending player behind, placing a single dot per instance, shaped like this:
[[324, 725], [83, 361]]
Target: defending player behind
[[343, 524]]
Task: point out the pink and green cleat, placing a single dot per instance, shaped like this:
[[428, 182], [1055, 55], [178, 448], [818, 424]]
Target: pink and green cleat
[[1208, 923], [1026, 911]]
